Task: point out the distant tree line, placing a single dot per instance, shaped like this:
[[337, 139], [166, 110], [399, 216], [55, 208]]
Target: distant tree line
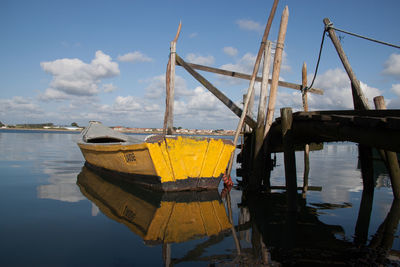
[[35, 125]]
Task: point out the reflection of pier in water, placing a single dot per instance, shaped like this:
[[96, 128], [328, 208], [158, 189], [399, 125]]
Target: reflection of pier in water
[[274, 234]]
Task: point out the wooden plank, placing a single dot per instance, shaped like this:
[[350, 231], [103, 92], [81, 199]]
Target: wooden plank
[[321, 117], [248, 77], [343, 118], [369, 113], [369, 121], [393, 122], [221, 96]]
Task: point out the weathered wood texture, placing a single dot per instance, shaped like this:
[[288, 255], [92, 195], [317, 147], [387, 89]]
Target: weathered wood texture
[[276, 69], [358, 97], [306, 147], [392, 162], [248, 77], [170, 86], [221, 96], [171, 89]]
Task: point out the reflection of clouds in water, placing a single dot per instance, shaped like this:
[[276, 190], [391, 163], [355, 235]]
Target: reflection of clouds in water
[[95, 210], [38, 147], [62, 181], [334, 168]]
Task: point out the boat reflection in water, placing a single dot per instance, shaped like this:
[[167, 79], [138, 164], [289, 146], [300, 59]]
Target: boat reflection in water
[[157, 217]]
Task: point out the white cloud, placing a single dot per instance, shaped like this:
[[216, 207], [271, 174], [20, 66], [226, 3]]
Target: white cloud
[[337, 93], [230, 51], [394, 103], [134, 57], [127, 103], [108, 88], [193, 35], [392, 66], [73, 77], [244, 64], [396, 89], [156, 87], [198, 59], [20, 108], [249, 25]]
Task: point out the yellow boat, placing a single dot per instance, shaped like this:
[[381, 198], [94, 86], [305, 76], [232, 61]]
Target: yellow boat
[[166, 163], [157, 217]]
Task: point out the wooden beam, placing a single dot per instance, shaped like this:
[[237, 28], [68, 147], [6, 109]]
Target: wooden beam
[[221, 96], [367, 113], [248, 77]]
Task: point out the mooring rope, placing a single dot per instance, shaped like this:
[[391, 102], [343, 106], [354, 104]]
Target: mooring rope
[[317, 66], [330, 26]]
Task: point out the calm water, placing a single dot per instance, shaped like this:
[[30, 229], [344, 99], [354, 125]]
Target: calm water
[[55, 212]]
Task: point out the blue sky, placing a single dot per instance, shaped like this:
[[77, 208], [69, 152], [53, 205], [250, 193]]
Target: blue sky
[[75, 61]]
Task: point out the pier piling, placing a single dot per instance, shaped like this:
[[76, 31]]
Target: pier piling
[[289, 158]]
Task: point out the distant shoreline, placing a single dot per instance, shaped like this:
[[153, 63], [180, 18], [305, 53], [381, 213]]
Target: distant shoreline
[[134, 132]]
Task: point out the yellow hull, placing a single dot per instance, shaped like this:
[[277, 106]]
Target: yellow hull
[[155, 216], [165, 163]]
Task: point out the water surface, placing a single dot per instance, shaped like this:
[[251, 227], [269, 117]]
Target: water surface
[[55, 212]]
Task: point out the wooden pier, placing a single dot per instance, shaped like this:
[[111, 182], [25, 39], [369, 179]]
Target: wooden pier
[[379, 128], [375, 128]]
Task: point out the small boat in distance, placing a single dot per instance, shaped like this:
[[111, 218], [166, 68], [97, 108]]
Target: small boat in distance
[[165, 163]]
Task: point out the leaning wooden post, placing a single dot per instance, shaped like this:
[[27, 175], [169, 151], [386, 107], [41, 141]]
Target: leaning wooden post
[[263, 100], [170, 86], [391, 157], [360, 103], [252, 81], [289, 158], [306, 147], [276, 69], [260, 172]]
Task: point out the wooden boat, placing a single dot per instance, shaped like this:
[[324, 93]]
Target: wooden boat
[[157, 217], [166, 163]]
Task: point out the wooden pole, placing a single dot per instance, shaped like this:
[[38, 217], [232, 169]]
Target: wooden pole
[[276, 69], [253, 78], [240, 75], [223, 98], [260, 174], [263, 100], [391, 157], [235, 238], [170, 120], [306, 147], [358, 97], [289, 158], [170, 86]]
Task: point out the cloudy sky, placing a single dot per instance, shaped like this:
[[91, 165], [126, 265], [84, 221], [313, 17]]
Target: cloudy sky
[[75, 61]]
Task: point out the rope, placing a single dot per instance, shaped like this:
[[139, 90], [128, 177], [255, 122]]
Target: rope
[[317, 66], [364, 37]]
